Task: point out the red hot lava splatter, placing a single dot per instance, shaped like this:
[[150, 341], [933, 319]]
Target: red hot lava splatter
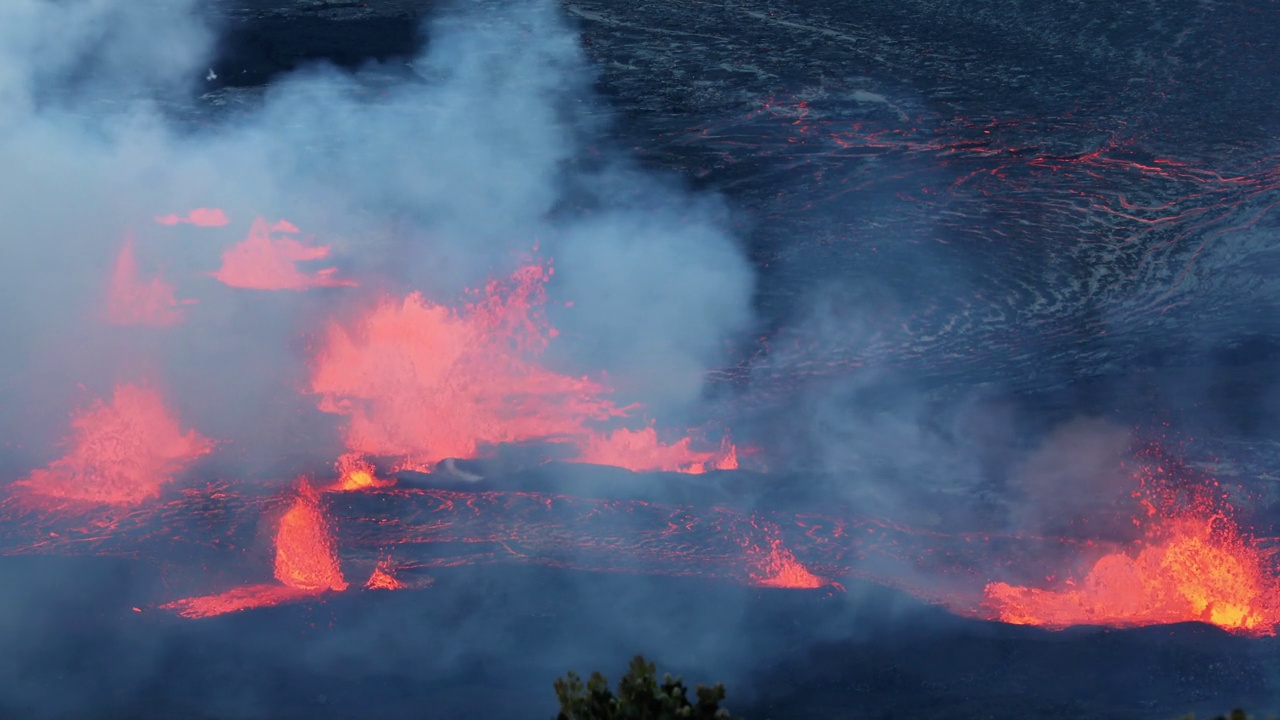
[[200, 217], [427, 382], [780, 569], [120, 453], [134, 301], [355, 473], [306, 565], [266, 261], [1194, 563], [306, 557]]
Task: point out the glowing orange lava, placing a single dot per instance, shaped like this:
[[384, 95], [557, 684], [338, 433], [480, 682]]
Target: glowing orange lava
[[248, 597], [1195, 563], [426, 382], [779, 568], [122, 453], [306, 565], [642, 451], [133, 301], [200, 217], [383, 578], [306, 557], [264, 261], [355, 473]]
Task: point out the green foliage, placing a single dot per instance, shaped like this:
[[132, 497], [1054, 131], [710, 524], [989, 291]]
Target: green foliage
[[639, 697]]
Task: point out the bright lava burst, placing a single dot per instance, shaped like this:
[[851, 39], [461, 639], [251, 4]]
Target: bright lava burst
[[426, 382], [121, 453], [306, 557], [306, 565], [1194, 563]]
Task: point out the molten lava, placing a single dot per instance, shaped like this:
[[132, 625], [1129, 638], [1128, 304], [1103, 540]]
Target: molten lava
[[134, 301], [355, 473], [120, 453], [781, 569], [200, 217], [1194, 563], [306, 565], [249, 597], [306, 557], [642, 451], [426, 382], [265, 261], [383, 577]]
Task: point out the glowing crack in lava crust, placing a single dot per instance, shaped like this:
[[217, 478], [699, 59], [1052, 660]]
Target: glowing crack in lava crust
[[121, 453], [425, 382], [1194, 563]]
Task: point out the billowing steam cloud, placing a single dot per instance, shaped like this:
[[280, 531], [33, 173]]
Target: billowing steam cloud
[[428, 178], [200, 260]]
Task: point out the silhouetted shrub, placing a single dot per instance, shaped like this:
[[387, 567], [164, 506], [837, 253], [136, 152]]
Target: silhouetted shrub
[[639, 697]]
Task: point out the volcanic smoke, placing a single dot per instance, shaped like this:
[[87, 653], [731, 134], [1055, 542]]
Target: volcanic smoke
[[424, 382], [134, 301], [458, 174], [267, 261]]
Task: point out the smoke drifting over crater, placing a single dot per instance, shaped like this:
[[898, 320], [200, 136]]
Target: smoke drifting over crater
[[337, 189], [420, 282]]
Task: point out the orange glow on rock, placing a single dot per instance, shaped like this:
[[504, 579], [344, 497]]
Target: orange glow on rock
[[355, 473], [120, 453], [425, 382], [266, 261], [200, 217], [134, 301], [306, 557], [642, 451], [1194, 563]]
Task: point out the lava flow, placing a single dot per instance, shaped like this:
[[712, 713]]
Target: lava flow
[[425, 382], [1194, 563]]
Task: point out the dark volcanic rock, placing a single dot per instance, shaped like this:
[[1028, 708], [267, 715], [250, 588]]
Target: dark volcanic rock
[[1072, 203], [1003, 192]]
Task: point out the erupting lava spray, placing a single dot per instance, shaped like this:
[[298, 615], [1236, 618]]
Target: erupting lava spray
[[424, 382], [121, 453], [1193, 563], [306, 564]]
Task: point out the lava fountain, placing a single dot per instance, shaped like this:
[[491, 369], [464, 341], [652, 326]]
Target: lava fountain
[[1194, 562]]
